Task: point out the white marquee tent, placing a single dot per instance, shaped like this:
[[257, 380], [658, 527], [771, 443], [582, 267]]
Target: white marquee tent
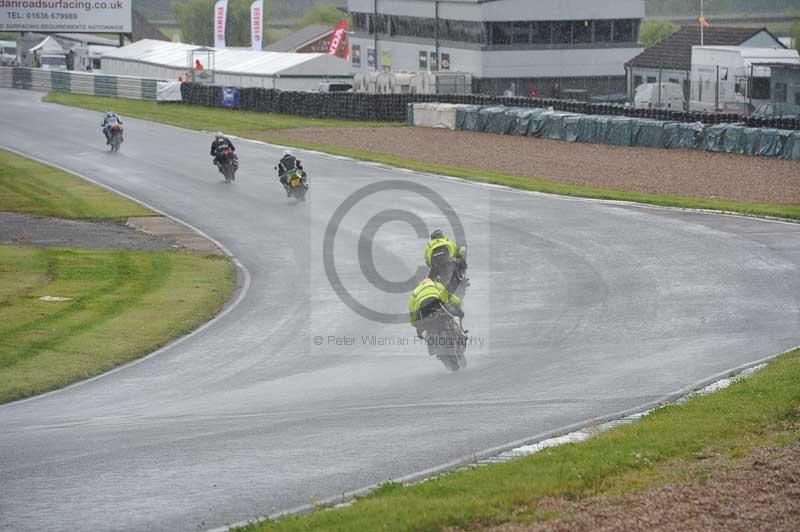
[[232, 66]]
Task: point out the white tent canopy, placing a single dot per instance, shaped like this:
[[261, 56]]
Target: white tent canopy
[[49, 46], [232, 66]]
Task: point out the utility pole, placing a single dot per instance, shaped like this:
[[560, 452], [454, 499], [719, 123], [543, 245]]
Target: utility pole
[[438, 55], [375, 28]]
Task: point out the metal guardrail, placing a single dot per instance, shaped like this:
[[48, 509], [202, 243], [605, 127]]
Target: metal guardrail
[[78, 83]]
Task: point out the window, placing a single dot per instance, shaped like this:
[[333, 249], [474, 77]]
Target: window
[[500, 32], [602, 30], [760, 89], [780, 92], [651, 79], [674, 80], [562, 32], [637, 80], [582, 31], [359, 21], [625, 31], [522, 33], [475, 32], [541, 32], [381, 23]]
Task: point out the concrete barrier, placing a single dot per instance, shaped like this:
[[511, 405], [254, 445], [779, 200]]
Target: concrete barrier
[[78, 83]]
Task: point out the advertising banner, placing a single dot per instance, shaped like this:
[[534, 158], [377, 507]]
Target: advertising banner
[[65, 16], [220, 16], [229, 97], [339, 37], [256, 24]]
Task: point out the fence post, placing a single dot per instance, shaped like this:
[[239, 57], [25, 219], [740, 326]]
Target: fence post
[[660, 71], [716, 93]]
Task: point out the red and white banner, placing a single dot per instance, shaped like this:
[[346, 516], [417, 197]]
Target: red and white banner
[[257, 24], [338, 39], [220, 16]]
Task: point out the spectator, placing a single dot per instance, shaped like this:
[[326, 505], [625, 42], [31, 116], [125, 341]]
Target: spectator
[[533, 93], [198, 65], [511, 91]]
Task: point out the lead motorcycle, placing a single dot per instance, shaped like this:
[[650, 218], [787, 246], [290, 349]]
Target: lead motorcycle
[[227, 162], [115, 137], [446, 339]]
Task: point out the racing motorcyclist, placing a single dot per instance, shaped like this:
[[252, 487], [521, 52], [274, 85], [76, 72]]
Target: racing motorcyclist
[[444, 258], [428, 297], [109, 119], [220, 141], [287, 164]]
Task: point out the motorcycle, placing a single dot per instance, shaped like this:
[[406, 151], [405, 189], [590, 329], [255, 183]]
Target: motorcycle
[[227, 162], [447, 339], [453, 273], [298, 185], [115, 137]]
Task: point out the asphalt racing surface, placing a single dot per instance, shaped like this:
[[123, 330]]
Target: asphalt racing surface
[[309, 387]]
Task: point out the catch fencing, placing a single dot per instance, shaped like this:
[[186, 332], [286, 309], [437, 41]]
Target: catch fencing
[[78, 83], [610, 130]]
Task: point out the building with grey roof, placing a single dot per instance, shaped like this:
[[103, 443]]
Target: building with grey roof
[[546, 45]]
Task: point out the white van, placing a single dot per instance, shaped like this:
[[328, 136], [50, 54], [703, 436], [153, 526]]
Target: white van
[[669, 96]]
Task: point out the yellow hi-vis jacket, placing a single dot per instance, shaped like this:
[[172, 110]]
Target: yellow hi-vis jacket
[[452, 248], [426, 291]]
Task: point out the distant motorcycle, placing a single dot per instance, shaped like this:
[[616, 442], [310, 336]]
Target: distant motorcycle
[[298, 185], [446, 339], [115, 137], [228, 163]]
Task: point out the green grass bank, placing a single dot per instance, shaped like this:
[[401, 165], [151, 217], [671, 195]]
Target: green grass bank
[[29, 187], [117, 306], [120, 306], [254, 126]]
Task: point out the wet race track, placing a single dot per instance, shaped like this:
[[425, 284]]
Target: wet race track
[[578, 309]]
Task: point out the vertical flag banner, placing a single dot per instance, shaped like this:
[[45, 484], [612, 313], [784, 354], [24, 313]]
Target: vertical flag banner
[[339, 36], [220, 15], [256, 24]]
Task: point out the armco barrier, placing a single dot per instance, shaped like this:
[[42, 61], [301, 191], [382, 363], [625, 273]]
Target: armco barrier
[[620, 130], [78, 83]]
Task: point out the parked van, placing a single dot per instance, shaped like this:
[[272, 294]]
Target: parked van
[[668, 96]]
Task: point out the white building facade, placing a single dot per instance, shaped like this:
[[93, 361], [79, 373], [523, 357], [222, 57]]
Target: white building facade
[[541, 45]]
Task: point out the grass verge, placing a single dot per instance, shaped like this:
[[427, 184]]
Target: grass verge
[[29, 187], [113, 297], [200, 118], [248, 125], [123, 306], [761, 410]]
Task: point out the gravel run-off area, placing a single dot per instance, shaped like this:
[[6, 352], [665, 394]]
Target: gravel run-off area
[[646, 170], [151, 233]]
